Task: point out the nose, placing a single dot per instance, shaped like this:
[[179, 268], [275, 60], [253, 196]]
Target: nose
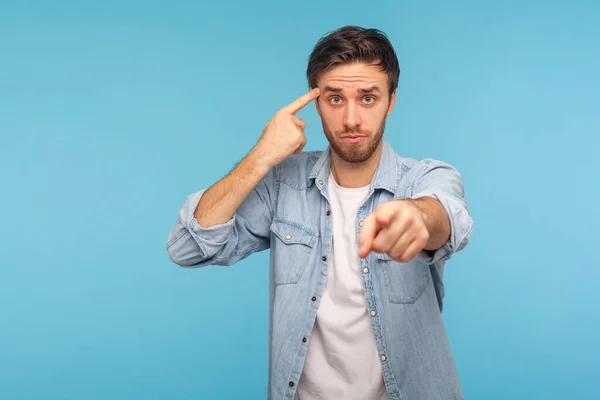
[[351, 117]]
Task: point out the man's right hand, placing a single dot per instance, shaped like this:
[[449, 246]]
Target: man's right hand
[[284, 133]]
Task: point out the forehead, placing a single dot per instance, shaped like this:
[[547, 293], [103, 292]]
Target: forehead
[[353, 76]]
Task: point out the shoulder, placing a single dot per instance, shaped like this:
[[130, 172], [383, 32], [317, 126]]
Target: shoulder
[[411, 165], [412, 172]]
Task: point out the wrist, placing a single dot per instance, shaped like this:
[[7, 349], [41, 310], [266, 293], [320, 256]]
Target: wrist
[[258, 161], [436, 220], [421, 206]]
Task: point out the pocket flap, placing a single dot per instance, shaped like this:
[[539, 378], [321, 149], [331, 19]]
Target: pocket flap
[[293, 232]]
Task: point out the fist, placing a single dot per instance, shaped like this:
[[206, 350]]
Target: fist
[[284, 133], [396, 228]]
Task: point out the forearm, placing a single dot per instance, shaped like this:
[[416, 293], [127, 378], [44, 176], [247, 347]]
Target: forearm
[[436, 220], [221, 201]]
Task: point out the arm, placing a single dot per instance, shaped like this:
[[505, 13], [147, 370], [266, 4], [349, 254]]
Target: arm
[[231, 219], [436, 221], [282, 136], [432, 222], [222, 238], [441, 184], [221, 201]]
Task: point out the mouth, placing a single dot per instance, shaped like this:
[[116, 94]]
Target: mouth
[[353, 138]]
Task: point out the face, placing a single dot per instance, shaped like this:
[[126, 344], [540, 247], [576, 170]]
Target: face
[[353, 105]]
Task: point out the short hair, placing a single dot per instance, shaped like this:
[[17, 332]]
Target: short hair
[[351, 44]]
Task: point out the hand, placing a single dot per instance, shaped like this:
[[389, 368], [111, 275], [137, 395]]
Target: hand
[[397, 228], [284, 133]]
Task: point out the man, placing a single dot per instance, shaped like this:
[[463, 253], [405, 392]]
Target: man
[[358, 237]]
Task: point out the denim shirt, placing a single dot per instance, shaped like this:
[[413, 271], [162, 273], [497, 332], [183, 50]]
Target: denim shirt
[[288, 212]]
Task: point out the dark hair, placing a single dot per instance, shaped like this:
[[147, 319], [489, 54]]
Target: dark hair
[[353, 44]]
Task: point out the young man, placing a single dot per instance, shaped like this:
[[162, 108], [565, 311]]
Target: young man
[[358, 236]]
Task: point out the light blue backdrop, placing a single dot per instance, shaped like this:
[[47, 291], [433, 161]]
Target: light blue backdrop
[[112, 112]]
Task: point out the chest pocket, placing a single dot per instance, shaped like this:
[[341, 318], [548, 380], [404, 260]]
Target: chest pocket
[[291, 245], [405, 282]]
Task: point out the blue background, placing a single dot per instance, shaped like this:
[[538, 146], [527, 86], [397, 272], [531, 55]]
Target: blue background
[[112, 112]]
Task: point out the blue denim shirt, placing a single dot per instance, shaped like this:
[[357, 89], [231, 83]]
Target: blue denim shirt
[[289, 213]]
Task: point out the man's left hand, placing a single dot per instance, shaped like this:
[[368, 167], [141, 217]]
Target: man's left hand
[[397, 228]]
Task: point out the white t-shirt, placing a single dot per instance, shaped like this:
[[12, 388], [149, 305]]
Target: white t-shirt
[[342, 360]]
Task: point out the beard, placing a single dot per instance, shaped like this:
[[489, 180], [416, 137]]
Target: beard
[[355, 152]]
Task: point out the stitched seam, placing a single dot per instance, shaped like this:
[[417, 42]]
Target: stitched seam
[[174, 240], [277, 189], [247, 251], [397, 298], [423, 167], [300, 188], [309, 241], [296, 225], [417, 295], [469, 231], [200, 245]]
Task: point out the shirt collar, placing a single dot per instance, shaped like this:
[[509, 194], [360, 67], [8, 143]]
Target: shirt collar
[[386, 174]]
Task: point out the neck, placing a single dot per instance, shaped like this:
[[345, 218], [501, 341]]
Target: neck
[[354, 175]]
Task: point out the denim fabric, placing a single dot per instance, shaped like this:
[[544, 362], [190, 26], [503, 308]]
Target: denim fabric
[[288, 214]]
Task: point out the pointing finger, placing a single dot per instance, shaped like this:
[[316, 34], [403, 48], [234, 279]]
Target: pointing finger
[[367, 235], [302, 101]]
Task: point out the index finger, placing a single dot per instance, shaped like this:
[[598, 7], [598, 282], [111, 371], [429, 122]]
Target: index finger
[[302, 101], [367, 235]]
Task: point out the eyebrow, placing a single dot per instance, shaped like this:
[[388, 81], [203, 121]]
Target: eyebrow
[[332, 89], [363, 90], [370, 89]]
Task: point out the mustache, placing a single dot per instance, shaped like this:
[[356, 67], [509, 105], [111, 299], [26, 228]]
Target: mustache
[[357, 131]]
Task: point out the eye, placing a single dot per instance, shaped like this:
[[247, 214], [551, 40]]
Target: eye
[[335, 100], [369, 99]]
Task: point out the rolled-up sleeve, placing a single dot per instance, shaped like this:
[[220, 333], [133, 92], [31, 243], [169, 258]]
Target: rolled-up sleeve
[[443, 182], [248, 231]]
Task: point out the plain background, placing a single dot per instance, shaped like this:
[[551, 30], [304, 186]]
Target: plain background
[[111, 113]]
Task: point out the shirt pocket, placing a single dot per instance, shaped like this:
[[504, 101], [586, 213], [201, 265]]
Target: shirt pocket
[[291, 250], [405, 282]]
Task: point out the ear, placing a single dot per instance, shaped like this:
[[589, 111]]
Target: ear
[[392, 103]]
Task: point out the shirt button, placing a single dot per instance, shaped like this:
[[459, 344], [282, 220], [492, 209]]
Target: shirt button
[[291, 384], [324, 258], [304, 340], [314, 298], [360, 224], [366, 270], [320, 182], [328, 213], [383, 358], [373, 313], [288, 237]]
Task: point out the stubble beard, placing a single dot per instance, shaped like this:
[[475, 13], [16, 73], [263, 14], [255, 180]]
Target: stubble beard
[[355, 152]]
